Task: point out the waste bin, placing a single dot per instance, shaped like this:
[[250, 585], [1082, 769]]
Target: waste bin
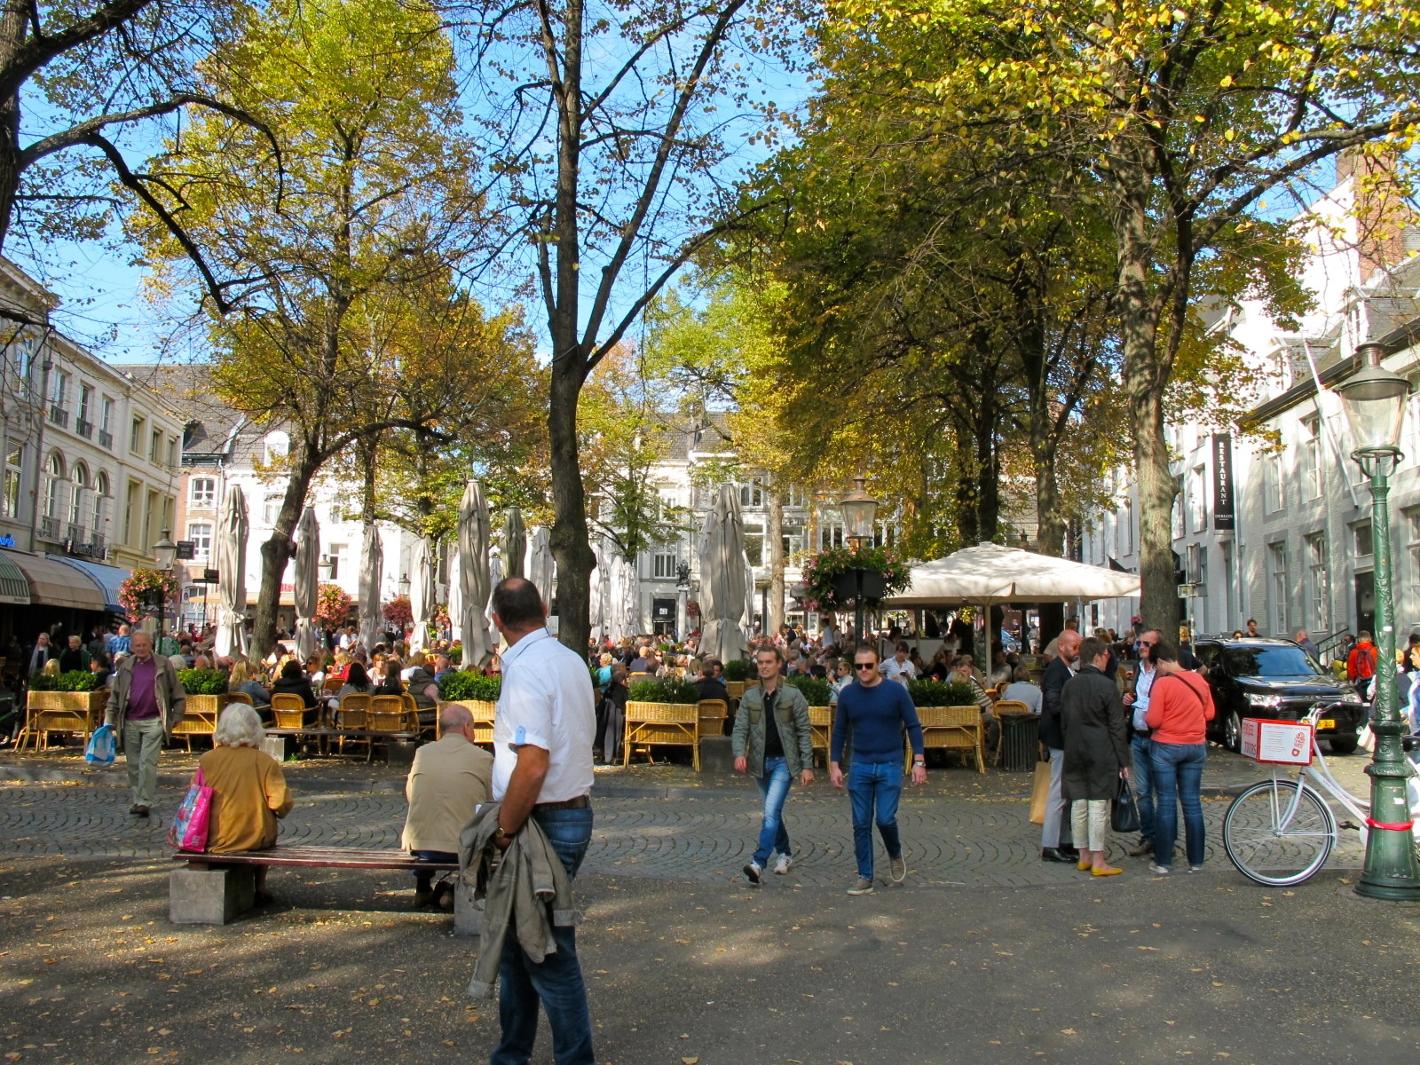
[[1020, 742]]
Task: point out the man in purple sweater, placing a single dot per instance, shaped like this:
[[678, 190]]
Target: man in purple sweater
[[876, 713]]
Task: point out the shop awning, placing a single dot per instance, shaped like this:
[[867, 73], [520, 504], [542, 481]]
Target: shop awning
[[108, 578], [14, 589], [55, 584]]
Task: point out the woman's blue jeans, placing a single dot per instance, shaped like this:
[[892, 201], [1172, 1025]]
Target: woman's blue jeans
[[874, 789], [1178, 780], [772, 833], [556, 981]]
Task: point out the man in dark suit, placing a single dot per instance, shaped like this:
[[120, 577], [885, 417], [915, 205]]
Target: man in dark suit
[[1055, 845]]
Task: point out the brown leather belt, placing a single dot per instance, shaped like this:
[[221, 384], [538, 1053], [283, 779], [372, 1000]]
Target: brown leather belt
[[581, 802]]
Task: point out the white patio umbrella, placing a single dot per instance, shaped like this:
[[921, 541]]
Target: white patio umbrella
[[421, 593], [723, 570], [231, 561], [990, 573], [540, 562], [596, 608], [747, 618], [454, 606], [515, 545], [618, 616], [473, 577], [307, 581], [372, 564]]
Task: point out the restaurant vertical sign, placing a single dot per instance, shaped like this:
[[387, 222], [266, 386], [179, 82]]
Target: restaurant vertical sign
[[1223, 520]]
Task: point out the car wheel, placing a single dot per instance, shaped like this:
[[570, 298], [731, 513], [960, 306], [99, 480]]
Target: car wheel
[[1347, 746], [1232, 732]]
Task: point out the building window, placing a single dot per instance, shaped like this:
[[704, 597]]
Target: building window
[[275, 448], [58, 389], [752, 494], [86, 410], [334, 559], [106, 414], [200, 533], [663, 564], [76, 496], [1277, 560], [202, 493], [172, 452], [754, 546], [270, 508], [1311, 458], [101, 503], [1318, 592], [830, 534], [155, 447], [1197, 509], [1361, 539], [53, 493], [135, 437], [14, 472], [1272, 482]]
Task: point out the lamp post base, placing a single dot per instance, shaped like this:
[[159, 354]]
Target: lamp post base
[[1392, 871]]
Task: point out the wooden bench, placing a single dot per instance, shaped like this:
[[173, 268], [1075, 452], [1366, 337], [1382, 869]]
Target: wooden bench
[[217, 888]]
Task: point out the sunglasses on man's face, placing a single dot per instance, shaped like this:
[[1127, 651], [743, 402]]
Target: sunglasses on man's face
[[865, 665]]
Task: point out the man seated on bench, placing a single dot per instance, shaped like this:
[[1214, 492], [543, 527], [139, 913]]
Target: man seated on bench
[[447, 780], [248, 789]]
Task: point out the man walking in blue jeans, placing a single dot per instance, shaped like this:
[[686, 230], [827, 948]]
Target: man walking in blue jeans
[[875, 712], [542, 768], [773, 742]]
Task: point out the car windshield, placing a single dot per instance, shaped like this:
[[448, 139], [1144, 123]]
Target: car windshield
[[1270, 662]]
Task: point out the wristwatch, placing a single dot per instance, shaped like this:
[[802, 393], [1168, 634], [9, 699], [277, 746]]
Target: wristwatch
[[500, 835]]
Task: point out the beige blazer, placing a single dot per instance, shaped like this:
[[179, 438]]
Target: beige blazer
[[448, 779], [172, 699]]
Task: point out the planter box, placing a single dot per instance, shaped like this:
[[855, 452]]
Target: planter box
[[662, 724], [952, 728], [200, 715], [483, 714], [76, 712]]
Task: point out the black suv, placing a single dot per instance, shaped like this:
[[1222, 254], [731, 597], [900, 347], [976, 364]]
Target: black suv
[[1276, 679]]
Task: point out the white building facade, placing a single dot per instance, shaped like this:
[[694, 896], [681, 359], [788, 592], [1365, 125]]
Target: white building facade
[[1282, 533]]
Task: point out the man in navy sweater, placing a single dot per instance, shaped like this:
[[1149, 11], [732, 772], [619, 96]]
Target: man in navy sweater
[[876, 713]]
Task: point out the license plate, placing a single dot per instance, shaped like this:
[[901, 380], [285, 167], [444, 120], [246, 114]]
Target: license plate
[[1326, 723]]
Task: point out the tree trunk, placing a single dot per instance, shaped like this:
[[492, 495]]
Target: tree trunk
[[774, 533], [1145, 378], [570, 546], [277, 552]]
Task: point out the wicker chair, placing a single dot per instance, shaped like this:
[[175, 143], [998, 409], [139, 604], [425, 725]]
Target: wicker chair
[[951, 728], [353, 716]]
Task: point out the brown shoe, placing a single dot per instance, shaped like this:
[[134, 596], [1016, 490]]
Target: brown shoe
[[1143, 847], [140, 811]]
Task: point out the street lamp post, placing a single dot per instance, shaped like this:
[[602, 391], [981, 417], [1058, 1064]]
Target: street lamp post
[[858, 509], [1374, 403], [165, 554]]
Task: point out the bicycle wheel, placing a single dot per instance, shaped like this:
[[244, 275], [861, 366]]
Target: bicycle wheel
[[1268, 851]]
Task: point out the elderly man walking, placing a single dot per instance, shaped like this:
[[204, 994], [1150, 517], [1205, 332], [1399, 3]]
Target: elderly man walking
[[144, 704], [773, 743]]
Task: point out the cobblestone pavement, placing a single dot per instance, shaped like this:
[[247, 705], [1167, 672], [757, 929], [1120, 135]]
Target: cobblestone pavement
[[977, 837]]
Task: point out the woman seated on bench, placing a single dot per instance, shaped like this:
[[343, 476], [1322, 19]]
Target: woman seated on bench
[[248, 790]]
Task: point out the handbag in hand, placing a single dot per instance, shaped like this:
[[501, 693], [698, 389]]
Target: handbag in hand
[[1124, 815]]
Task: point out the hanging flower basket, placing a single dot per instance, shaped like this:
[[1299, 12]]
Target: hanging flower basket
[[830, 582], [398, 611], [139, 593], [333, 606]]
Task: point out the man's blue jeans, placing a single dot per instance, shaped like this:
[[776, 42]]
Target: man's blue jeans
[[556, 981], [1178, 780], [1143, 784], [874, 789], [772, 833]]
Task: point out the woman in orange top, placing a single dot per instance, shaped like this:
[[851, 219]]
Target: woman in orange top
[[1180, 707], [248, 790]]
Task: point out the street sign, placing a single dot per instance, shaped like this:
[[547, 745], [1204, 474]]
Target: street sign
[[186, 550]]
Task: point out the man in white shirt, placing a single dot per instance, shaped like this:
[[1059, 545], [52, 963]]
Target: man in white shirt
[[542, 768], [1137, 702], [899, 667]]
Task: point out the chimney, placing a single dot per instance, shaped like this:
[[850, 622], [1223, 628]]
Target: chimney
[[1382, 214]]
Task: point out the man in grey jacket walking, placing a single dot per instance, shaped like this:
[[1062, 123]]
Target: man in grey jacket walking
[[144, 704], [772, 742]]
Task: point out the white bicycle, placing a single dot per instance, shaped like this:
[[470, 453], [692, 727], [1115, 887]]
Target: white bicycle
[[1280, 831]]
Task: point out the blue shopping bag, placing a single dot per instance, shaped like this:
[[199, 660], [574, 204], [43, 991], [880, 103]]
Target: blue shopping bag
[[103, 746]]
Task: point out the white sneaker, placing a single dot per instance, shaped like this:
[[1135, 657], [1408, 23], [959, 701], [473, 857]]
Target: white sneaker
[[782, 865]]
